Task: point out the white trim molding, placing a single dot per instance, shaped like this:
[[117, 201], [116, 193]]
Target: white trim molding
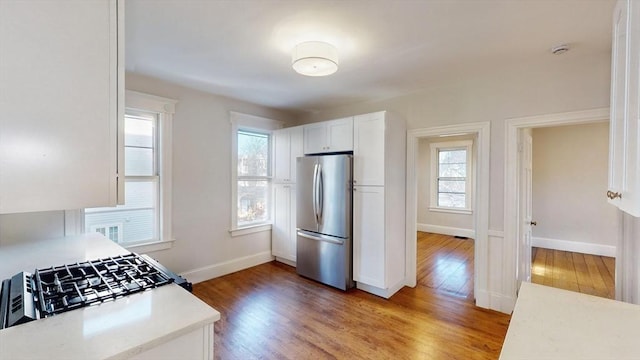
[[227, 267], [574, 246], [511, 254], [447, 230], [481, 191]]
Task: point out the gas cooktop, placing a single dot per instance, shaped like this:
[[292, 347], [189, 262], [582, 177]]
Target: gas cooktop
[[51, 291]]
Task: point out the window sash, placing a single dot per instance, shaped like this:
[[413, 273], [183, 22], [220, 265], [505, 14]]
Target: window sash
[[448, 190], [254, 210]]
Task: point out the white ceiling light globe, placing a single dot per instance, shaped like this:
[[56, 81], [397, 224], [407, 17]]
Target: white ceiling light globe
[[314, 58]]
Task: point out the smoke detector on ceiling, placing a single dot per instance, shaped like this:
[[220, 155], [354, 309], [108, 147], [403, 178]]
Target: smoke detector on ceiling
[[560, 49]]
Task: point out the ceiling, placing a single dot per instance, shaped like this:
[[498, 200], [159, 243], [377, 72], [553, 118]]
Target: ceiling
[[242, 48]]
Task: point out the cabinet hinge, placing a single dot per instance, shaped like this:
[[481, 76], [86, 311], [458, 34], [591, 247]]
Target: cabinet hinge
[[520, 147]]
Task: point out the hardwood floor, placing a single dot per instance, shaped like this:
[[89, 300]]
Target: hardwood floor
[[269, 312], [588, 274], [445, 264]]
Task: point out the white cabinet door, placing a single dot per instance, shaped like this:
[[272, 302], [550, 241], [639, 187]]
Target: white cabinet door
[[281, 155], [329, 136], [369, 259], [283, 238], [369, 149], [295, 136], [340, 135], [60, 79], [287, 146], [624, 160], [315, 138]]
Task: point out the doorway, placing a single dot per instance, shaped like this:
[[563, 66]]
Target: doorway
[[481, 214], [571, 242], [446, 199], [517, 226]]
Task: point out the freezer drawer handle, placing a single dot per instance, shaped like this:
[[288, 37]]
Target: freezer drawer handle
[[321, 238]]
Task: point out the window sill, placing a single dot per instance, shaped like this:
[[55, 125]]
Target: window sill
[[149, 246], [451, 210], [250, 229]]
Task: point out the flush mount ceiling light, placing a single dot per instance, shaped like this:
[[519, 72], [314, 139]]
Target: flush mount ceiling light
[[314, 58]]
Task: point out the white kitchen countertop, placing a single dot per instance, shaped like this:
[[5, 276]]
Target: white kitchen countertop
[[549, 323], [111, 330]]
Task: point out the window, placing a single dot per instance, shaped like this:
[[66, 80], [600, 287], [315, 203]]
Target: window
[[451, 176], [144, 218], [254, 177], [251, 172]]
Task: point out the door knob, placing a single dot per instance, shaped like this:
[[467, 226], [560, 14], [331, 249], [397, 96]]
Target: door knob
[[533, 223]]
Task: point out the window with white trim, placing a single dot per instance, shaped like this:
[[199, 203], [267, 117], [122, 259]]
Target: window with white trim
[[144, 220], [254, 177], [451, 171], [251, 171]]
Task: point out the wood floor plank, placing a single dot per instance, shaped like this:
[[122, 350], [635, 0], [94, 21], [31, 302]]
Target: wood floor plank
[[269, 312], [588, 274]]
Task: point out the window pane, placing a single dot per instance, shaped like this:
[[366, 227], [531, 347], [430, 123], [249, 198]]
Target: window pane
[[253, 154], [252, 201], [138, 132], [451, 186], [452, 200], [135, 225], [452, 170], [138, 162], [453, 156]]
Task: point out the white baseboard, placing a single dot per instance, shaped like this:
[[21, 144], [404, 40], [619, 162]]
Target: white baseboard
[[447, 230], [495, 301], [216, 270], [385, 293], [574, 246], [286, 261]]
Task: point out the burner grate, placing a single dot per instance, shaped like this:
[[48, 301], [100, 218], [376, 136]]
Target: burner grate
[[68, 287]]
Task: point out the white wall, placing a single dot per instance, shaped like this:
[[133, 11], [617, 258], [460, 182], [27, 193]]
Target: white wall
[[437, 221], [570, 166], [571, 82]]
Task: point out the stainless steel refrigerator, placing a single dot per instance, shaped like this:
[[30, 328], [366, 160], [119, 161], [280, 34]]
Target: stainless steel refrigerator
[[324, 215]]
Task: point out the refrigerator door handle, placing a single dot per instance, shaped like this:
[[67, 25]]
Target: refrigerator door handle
[[315, 191], [320, 194], [318, 237]]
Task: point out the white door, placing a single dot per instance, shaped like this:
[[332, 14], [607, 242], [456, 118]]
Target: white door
[[340, 135], [526, 222], [369, 236], [368, 149], [315, 138], [281, 235]]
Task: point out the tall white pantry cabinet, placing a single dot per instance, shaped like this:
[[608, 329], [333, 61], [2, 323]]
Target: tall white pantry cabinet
[[62, 101], [287, 146], [379, 157], [624, 147]]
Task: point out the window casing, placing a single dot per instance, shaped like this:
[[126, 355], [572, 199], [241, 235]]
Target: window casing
[[143, 222], [251, 172], [451, 176]]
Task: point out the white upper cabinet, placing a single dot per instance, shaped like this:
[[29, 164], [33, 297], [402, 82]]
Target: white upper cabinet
[[624, 162], [61, 94], [369, 149], [329, 136], [287, 146]]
